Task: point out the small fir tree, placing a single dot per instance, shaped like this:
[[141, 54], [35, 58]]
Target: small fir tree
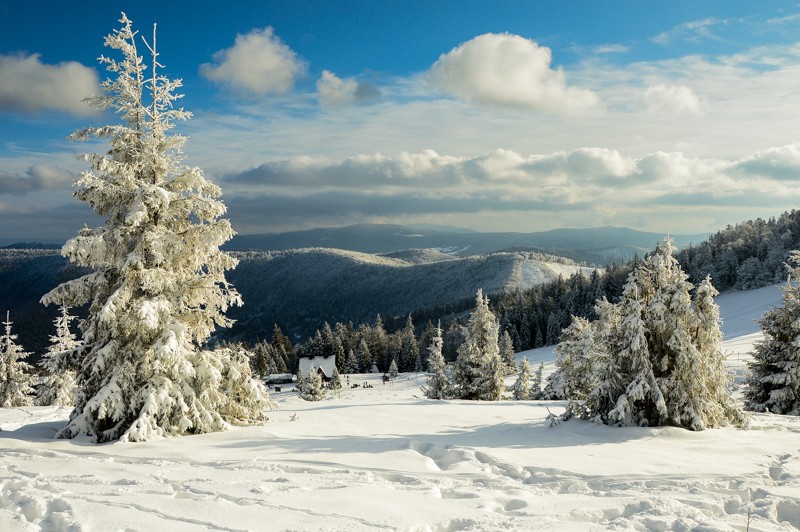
[[364, 356], [16, 382], [507, 353], [438, 385], [393, 370], [58, 386], [521, 389], [576, 360], [479, 371], [538, 377], [309, 385], [336, 380], [774, 381], [351, 365]]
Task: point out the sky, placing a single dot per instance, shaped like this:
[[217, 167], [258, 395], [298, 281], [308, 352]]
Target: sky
[[676, 116]]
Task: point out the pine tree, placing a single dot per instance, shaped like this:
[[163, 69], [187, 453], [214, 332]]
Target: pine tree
[[364, 357], [576, 359], [438, 385], [507, 353], [309, 385], [659, 362], [336, 380], [16, 383], [521, 389], [58, 386], [479, 370], [157, 290], [408, 359], [351, 365], [536, 388], [774, 381], [393, 372]]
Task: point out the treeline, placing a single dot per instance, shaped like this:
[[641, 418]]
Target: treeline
[[535, 317], [357, 349], [745, 256]]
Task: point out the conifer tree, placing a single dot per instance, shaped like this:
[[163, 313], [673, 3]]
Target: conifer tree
[[309, 385], [157, 290], [336, 380], [58, 386], [538, 377], [660, 361], [16, 382], [393, 372], [479, 370], [521, 389], [507, 353], [438, 385], [576, 359], [774, 381], [364, 357], [351, 365]]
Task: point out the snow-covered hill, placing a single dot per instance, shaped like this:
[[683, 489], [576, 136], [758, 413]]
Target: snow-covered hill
[[309, 286], [384, 458]]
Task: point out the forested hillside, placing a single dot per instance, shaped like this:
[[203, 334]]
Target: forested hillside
[[301, 289]]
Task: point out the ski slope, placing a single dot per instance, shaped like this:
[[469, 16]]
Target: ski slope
[[385, 458]]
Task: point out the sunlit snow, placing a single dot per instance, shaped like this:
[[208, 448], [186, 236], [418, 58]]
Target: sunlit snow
[[385, 458]]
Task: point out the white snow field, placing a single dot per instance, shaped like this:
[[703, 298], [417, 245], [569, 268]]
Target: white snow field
[[385, 458]]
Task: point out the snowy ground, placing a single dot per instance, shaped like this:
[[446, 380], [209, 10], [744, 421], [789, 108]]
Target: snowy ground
[[384, 458]]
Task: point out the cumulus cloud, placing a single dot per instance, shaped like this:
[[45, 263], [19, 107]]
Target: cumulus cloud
[[664, 98], [258, 62], [595, 183], [508, 70], [781, 164], [37, 177], [334, 91], [28, 85]]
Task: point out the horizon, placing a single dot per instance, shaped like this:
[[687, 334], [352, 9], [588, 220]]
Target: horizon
[[506, 117]]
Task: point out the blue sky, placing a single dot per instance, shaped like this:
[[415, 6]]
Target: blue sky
[[518, 116]]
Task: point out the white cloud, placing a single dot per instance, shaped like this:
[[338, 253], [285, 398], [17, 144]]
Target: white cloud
[[508, 70], [692, 31], [664, 98], [28, 85], [611, 49], [596, 185], [334, 91], [37, 177], [258, 62]]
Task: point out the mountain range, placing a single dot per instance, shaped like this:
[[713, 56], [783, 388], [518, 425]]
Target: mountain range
[[599, 245], [352, 273]]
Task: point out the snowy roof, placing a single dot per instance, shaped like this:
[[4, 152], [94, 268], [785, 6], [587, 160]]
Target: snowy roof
[[326, 364]]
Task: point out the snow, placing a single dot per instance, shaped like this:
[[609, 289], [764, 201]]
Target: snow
[[385, 458]]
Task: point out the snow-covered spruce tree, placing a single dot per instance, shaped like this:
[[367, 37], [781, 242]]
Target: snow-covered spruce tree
[[158, 288], [309, 385], [351, 364], [478, 369], [336, 380], [507, 353], [521, 389], [576, 359], [438, 385], [16, 381], [58, 386], [538, 378], [774, 381], [393, 369], [660, 362]]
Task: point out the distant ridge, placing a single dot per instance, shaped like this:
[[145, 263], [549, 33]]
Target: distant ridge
[[598, 245]]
